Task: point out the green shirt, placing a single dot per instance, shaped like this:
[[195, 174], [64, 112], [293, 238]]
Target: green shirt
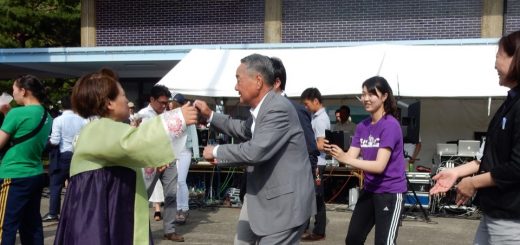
[[24, 159]]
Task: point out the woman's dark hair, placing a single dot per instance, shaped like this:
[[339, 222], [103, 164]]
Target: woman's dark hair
[[33, 84], [380, 84], [92, 92], [511, 46]]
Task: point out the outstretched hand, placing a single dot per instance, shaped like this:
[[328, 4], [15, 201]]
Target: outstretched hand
[[444, 181], [189, 113]]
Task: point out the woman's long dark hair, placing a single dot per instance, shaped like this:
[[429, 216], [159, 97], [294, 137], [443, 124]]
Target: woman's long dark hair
[[380, 84]]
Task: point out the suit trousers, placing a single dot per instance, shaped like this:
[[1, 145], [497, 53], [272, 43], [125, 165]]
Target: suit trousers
[[169, 182], [245, 234], [320, 219], [57, 180]]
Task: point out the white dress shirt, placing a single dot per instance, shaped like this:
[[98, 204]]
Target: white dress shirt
[[64, 128]]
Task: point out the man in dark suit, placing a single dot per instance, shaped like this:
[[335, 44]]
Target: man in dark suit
[[305, 120], [279, 198], [280, 79]]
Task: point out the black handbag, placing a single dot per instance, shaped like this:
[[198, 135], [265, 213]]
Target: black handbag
[[14, 141]]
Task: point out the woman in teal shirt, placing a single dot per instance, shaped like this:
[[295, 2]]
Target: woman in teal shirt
[[21, 170]]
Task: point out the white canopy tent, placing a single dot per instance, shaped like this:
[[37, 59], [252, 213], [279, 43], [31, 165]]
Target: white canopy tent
[[412, 71], [455, 83]]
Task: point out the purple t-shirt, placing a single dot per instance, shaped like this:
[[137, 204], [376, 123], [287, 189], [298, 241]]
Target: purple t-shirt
[[386, 133]]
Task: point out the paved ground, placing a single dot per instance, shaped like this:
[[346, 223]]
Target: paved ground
[[216, 225]]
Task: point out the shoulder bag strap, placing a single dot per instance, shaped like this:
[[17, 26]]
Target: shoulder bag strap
[[32, 133]]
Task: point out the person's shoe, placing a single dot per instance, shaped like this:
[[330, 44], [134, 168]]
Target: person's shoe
[[157, 216], [50, 218], [305, 235], [313, 237], [181, 217], [173, 237]]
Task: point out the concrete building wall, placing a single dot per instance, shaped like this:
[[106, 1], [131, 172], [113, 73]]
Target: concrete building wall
[[189, 22]]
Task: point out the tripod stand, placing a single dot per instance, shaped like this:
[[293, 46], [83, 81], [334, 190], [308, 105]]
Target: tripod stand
[[417, 202]]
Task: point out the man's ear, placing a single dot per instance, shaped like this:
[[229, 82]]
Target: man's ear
[[259, 81], [315, 101], [277, 83]]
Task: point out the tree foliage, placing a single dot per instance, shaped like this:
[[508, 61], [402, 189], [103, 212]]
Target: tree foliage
[[40, 23]]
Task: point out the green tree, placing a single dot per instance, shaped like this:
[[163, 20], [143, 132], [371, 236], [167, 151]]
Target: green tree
[[40, 23]]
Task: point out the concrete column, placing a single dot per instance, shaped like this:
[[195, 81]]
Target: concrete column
[[273, 21], [88, 23], [492, 18]]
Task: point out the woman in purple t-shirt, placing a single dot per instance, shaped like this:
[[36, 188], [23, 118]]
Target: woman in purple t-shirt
[[378, 140]]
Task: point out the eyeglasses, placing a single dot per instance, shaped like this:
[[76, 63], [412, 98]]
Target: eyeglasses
[[164, 103]]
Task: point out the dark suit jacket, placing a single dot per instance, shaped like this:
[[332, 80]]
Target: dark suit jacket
[[305, 121], [280, 191]]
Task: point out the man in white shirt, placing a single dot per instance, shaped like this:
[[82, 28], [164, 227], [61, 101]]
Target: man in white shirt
[[159, 98], [312, 100], [64, 129]]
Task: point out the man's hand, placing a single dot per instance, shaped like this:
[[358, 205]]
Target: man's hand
[[203, 108], [189, 113], [208, 154]]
